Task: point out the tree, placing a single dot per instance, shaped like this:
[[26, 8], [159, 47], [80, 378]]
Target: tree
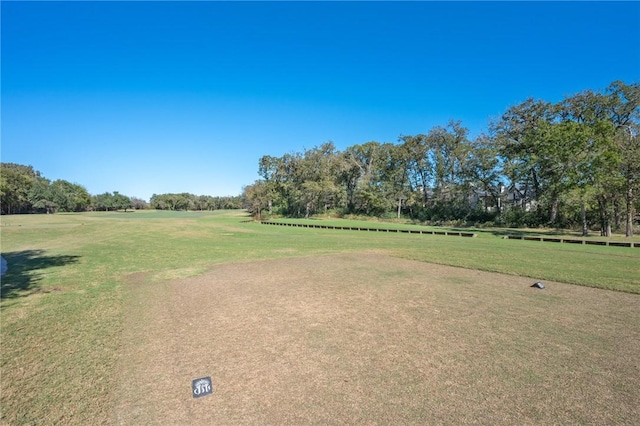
[[420, 163], [171, 201], [121, 202], [624, 113], [559, 161], [629, 149], [271, 169], [373, 177], [484, 170], [70, 197], [256, 198], [186, 201], [521, 141], [361, 174], [588, 109], [138, 203], [319, 179], [613, 163], [437, 166], [544, 149], [41, 196], [395, 182], [15, 182], [451, 152], [103, 202]]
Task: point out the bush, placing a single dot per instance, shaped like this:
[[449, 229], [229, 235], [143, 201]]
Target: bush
[[517, 217]]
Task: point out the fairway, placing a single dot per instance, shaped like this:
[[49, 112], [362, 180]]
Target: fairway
[[107, 318], [366, 338]]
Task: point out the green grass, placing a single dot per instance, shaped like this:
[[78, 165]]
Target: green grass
[[481, 232], [62, 300], [612, 268]]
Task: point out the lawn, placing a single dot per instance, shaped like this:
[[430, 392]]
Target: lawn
[[91, 297]]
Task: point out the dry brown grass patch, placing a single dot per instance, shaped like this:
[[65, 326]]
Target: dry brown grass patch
[[372, 339]]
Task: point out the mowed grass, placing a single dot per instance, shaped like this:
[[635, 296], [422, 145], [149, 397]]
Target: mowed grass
[[64, 296], [375, 339], [614, 268]]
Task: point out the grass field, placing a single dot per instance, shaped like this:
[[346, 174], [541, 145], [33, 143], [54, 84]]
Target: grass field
[[107, 317]]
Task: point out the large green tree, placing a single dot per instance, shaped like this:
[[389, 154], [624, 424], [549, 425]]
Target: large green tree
[[612, 160], [437, 166], [319, 174], [69, 197], [484, 172], [256, 198], [121, 202], [361, 174], [527, 151], [41, 196], [624, 113], [16, 181], [103, 202]]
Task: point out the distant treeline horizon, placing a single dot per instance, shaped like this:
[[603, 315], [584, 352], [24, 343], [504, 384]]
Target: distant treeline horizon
[[23, 189]]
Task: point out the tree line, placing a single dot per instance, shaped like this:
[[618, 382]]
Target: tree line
[[24, 190], [570, 164], [186, 201]]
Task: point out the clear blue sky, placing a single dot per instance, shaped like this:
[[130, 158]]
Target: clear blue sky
[[158, 97]]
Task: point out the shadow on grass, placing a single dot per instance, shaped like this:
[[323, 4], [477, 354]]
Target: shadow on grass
[[23, 275]]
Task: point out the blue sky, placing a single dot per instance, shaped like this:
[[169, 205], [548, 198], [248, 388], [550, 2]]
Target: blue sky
[[159, 97]]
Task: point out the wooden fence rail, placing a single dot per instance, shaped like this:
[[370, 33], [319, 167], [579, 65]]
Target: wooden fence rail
[[572, 241], [461, 234], [360, 228]]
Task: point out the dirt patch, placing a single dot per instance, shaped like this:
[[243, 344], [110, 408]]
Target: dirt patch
[[372, 339]]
